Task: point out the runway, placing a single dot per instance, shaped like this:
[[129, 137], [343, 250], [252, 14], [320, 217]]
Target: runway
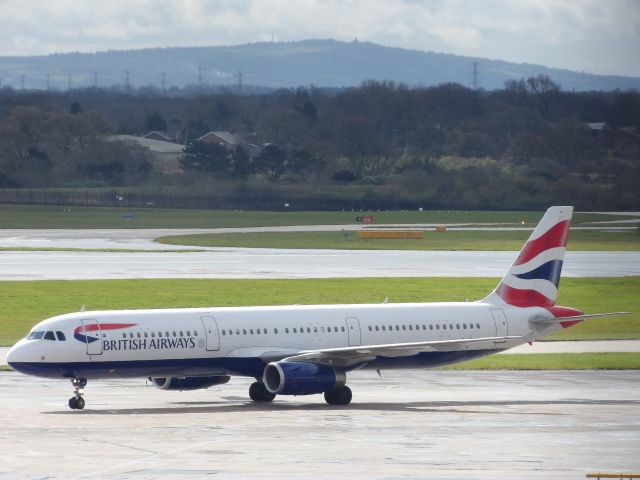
[[412, 424], [271, 263]]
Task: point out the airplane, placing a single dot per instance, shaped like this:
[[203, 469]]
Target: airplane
[[305, 349]]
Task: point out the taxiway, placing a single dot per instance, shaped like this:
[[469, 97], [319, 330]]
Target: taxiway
[[415, 424]]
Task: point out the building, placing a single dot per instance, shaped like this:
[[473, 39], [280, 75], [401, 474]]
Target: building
[[228, 140], [166, 155], [160, 136]]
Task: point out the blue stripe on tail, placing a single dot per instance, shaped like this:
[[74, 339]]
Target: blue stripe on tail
[[548, 271]]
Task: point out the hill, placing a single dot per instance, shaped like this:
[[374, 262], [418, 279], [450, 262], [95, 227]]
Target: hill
[[323, 63]]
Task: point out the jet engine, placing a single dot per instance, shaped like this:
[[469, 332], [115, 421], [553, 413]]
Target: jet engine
[[301, 378], [188, 383]]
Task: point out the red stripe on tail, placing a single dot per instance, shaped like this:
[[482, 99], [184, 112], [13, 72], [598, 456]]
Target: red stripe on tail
[[556, 236], [523, 298]]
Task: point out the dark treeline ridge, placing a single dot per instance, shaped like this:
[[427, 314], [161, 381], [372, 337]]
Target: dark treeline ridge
[[378, 146]]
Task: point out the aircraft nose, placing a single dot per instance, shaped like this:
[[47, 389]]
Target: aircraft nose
[[15, 354]]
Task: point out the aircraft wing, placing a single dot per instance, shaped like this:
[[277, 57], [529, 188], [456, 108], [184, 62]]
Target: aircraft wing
[[345, 357]]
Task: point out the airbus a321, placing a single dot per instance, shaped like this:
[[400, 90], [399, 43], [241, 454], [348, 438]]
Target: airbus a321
[[303, 350]]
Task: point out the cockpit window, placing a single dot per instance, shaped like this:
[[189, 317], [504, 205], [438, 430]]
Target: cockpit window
[[49, 336], [61, 336], [35, 336]]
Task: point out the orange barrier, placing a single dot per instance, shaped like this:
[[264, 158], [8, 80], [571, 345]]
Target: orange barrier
[[390, 234]]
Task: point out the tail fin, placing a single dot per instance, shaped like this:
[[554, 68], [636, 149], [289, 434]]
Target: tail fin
[[533, 279]]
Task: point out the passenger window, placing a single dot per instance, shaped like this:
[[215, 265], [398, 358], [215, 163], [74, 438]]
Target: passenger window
[[188, 333], [138, 335], [411, 327], [167, 334], [230, 332], [195, 334], [430, 327], [295, 330], [471, 325], [264, 330], [286, 330], [424, 326], [308, 330], [61, 336], [153, 334], [146, 335], [404, 327], [451, 326], [244, 331], [251, 331], [223, 333], [384, 328], [49, 336], [237, 331], [369, 327], [124, 335], [343, 329], [174, 334], [478, 326], [275, 330], [377, 328], [160, 334], [397, 327], [464, 326], [444, 326], [181, 334]]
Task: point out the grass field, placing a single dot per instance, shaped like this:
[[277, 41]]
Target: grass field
[[450, 240], [26, 303], [554, 361], [34, 216]]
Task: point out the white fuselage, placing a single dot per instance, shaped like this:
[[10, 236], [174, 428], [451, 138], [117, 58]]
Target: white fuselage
[[241, 341]]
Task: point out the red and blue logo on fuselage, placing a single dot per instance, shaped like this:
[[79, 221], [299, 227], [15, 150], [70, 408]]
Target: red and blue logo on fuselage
[[81, 333]]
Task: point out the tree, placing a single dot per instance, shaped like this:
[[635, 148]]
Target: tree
[[206, 157], [271, 161], [156, 122]]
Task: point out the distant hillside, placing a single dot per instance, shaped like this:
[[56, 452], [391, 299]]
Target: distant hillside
[[324, 63]]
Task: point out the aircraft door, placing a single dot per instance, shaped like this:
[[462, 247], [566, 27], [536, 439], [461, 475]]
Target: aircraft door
[[90, 330], [211, 332], [353, 329], [502, 326]]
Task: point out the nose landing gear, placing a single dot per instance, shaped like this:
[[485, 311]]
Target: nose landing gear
[[77, 402]]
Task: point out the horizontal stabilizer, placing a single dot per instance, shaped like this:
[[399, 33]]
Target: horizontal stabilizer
[[576, 318]]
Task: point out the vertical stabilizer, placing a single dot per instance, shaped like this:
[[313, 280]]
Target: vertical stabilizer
[[533, 279]]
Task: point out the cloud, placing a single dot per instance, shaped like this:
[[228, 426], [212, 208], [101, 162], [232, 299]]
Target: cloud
[[573, 33]]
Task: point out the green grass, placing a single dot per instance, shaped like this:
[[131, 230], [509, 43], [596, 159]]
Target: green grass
[[450, 240], [35, 216], [554, 361], [26, 303]]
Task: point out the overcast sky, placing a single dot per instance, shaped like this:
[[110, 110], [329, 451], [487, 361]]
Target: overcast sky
[[597, 36]]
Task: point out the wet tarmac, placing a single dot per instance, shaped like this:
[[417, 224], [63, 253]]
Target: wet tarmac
[[408, 424], [272, 263]]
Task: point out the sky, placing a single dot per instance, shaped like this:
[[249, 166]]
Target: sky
[[596, 36]]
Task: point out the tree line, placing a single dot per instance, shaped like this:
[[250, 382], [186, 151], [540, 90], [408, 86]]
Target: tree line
[[380, 145]]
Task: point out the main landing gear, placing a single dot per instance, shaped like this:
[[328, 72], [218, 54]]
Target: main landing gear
[[259, 393], [77, 402], [339, 396]]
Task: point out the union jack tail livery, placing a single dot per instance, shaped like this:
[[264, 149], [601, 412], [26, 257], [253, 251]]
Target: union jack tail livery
[[533, 279]]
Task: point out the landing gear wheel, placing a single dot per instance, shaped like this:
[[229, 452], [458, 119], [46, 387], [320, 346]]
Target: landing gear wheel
[[339, 396], [259, 393], [77, 402]]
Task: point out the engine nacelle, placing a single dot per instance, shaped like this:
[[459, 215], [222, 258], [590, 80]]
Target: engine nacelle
[[301, 378], [188, 383]]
